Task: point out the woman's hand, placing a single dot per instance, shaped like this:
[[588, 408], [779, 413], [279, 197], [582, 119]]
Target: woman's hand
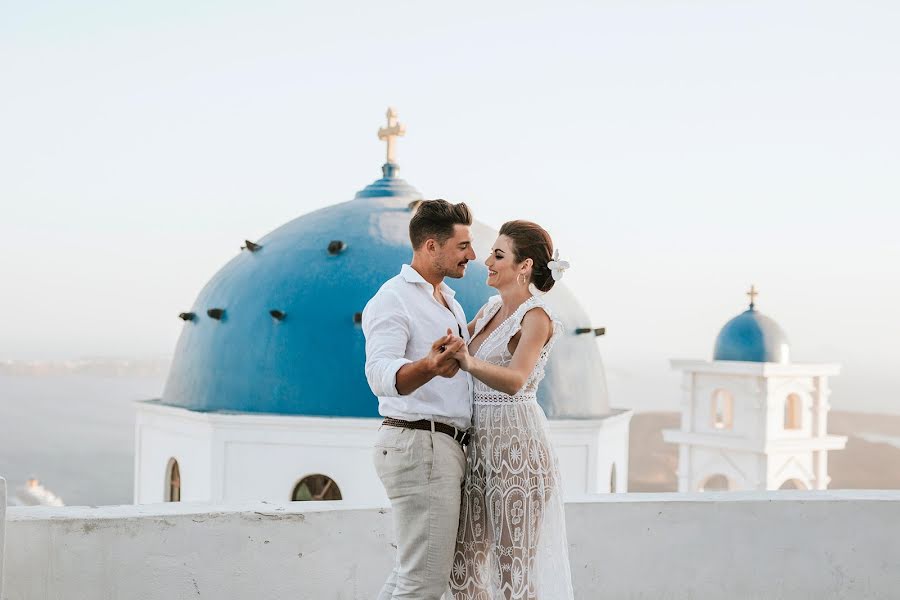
[[441, 359], [463, 357], [457, 349]]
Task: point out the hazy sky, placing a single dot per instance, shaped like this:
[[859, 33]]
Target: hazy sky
[[676, 151]]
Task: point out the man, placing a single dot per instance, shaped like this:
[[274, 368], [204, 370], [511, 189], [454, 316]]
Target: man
[[413, 325]]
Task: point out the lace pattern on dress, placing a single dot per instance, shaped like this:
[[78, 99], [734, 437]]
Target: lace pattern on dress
[[511, 542], [495, 349]]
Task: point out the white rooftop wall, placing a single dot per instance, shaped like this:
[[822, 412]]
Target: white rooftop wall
[[2, 529], [733, 545]]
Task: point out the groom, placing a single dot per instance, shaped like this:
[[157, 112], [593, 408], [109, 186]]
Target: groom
[[424, 398]]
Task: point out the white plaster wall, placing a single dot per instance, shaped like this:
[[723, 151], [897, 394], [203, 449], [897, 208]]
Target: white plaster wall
[[2, 529], [781, 467], [779, 388], [612, 449], [271, 470], [745, 470], [672, 546], [587, 449], [242, 457], [747, 415], [159, 438], [757, 452]]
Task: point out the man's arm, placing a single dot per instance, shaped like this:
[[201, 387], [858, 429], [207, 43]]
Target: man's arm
[[386, 327], [439, 362]]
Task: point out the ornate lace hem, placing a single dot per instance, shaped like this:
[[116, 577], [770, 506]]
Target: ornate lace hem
[[501, 398]]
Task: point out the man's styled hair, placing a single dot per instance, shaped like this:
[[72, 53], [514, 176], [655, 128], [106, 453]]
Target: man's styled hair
[[434, 219]]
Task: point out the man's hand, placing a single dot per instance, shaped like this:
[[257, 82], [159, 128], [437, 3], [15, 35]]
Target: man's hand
[[441, 357], [439, 362]]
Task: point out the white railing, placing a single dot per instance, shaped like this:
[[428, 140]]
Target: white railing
[[830, 544]]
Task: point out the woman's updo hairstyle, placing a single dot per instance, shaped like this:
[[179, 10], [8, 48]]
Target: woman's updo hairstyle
[[530, 240]]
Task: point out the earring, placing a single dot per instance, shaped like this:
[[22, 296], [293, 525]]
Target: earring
[[521, 279]]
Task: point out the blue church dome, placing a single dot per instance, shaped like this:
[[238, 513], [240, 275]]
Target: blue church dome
[[277, 329], [753, 337]]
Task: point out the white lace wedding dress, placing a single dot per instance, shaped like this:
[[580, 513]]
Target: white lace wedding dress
[[511, 543]]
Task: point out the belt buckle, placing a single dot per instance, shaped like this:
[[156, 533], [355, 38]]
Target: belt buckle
[[463, 437], [458, 434]]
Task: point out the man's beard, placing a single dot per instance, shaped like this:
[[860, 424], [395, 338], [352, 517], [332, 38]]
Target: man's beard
[[456, 271]]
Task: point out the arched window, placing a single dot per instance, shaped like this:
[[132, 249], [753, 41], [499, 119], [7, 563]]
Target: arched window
[[722, 409], [793, 412], [715, 483], [793, 484], [612, 479], [173, 481], [316, 487]]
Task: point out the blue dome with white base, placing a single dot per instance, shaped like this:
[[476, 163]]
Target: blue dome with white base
[[276, 330], [752, 337]]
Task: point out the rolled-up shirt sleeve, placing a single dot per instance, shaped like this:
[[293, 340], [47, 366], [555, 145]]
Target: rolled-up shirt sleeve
[[385, 323]]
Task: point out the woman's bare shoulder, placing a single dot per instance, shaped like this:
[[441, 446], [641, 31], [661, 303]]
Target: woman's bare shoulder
[[537, 317]]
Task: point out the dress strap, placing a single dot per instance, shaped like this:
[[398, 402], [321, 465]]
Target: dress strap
[[490, 309], [536, 302]]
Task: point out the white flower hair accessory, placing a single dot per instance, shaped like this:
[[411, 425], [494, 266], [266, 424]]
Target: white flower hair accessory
[[557, 267]]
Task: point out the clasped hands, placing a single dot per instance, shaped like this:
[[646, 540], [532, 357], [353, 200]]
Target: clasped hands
[[448, 355]]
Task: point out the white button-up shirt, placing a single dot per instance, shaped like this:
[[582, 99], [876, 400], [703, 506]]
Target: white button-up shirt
[[400, 323]]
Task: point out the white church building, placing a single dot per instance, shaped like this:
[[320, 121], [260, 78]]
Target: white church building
[[267, 399], [750, 418]]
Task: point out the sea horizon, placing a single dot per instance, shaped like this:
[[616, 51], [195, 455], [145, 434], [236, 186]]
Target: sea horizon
[[70, 423]]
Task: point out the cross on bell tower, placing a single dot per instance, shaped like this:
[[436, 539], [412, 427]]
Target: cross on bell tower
[[390, 133]]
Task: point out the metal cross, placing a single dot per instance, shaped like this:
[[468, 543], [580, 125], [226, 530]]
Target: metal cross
[[753, 294], [390, 133]]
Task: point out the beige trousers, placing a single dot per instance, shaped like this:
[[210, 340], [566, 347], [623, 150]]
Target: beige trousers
[[422, 473]]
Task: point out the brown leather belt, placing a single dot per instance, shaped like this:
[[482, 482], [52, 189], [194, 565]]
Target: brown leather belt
[[425, 425]]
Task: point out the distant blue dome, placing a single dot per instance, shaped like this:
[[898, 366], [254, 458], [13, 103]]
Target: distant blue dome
[[753, 337], [317, 272]]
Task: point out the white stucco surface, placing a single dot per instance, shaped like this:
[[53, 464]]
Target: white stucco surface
[[830, 544], [227, 458], [2, 528], [752, 445]]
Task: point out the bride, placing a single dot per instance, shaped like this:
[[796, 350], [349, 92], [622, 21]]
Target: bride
[[511, 542]]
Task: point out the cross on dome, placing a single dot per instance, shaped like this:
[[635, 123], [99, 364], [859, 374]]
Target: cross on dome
[[753, 294], [390, 133]]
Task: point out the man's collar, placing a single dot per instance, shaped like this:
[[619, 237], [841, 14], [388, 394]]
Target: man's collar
[[413, 276]]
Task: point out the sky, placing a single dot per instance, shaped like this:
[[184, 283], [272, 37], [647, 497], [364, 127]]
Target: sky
[[676, 151]]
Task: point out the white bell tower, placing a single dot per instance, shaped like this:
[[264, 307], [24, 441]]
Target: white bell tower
[[751, 420]]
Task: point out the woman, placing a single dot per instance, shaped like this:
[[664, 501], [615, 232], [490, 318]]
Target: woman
[[511, 542]]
